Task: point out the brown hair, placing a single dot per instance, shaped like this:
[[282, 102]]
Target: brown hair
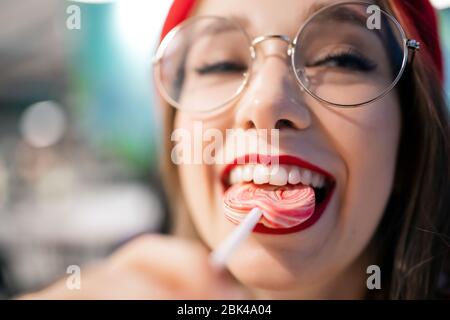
[[412, 239], [414, 233]]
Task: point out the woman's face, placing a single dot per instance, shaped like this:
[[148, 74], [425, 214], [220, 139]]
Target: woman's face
[[356, 147]]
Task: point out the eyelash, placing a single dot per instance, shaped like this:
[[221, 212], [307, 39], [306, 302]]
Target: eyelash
[[221, 67], [348, 59]]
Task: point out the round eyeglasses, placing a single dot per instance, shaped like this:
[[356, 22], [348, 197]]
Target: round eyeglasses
[[347, 55]]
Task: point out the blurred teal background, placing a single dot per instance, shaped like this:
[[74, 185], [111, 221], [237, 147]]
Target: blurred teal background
[[110, 77], [79, 134]]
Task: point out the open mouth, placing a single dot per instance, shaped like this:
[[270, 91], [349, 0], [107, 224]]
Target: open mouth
[[292, 193]]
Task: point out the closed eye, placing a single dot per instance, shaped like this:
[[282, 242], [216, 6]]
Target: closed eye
[[221, 67]]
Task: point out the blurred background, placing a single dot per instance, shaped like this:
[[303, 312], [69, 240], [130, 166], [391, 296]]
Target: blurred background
[[79, 133]]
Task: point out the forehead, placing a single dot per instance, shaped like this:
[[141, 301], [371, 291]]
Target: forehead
[[265, 16]]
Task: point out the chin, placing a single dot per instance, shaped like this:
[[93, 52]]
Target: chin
[[264, 273]]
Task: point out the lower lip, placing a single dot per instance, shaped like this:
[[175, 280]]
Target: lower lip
[[318, 211]]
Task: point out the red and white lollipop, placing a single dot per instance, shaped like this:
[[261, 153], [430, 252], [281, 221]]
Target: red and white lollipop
[[283, 206]]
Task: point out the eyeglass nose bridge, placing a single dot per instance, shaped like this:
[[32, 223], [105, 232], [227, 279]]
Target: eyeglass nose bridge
[[290, 50], [280, 37]]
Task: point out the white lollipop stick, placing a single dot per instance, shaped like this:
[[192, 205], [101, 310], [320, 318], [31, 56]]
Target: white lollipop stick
[[222, 253]]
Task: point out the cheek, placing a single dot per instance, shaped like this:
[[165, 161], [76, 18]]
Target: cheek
[[190, 169], [197, 179], [367, 139]]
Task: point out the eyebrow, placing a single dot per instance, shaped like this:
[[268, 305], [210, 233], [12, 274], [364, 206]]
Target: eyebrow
[[314, 8], [216, 28], [342, 14]]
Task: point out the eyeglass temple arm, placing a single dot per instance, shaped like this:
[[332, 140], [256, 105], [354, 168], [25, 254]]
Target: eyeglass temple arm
[[414, 45]]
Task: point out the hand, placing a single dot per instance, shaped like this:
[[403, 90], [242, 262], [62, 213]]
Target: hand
[[151, 267]]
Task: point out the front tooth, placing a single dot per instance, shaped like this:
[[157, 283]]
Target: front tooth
[[261, 174], [247, 173], [278, 176], [294, 175], [305, 177], [236, 175]]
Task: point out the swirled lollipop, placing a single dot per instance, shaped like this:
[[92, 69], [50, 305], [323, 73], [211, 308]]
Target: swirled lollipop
[[283, 206]]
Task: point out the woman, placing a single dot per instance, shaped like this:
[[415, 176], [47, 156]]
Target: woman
[[362, 147]]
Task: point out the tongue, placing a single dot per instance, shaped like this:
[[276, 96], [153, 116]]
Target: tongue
[[284, 207]]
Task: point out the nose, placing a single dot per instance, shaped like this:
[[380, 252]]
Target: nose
[[273, 99]]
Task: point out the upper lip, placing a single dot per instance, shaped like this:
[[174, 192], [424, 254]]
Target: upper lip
[[267, 159]]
